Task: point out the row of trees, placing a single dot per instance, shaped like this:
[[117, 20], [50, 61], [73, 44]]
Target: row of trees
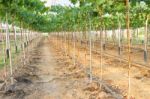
[[29, 14], [92, 15], [33, 14], [19, 19], [108, 14]]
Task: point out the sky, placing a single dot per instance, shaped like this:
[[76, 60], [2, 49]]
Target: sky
[[58, 2]]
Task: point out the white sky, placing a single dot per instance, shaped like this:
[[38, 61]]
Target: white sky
[[57, 2]]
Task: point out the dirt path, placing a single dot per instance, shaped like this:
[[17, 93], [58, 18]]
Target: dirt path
[[51, 75], [47, 86]]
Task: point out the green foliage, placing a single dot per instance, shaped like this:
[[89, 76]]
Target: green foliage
[[30, 13], [106, 14]]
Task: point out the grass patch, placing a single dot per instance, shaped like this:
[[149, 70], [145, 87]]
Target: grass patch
[[13, 53]]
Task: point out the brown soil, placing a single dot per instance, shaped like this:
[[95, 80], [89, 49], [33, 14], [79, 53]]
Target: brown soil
[[114, 72], [52, 75]]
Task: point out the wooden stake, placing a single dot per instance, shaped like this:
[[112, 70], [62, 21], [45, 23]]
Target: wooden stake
[[90, 44], [129, 48], [74, 46], [145, 40], [15, 38], [3, 50], [119, 32], [9, 50], [101, 56]]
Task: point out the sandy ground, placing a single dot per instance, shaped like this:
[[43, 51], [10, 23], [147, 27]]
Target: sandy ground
[[116, 73], [51, 75]]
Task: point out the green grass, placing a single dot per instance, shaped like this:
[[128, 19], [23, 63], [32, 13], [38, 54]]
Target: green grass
[[13, 53], [1, 63]]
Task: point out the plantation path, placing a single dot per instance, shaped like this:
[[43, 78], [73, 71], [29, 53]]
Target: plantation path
[[51, 75], [49, 82]]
